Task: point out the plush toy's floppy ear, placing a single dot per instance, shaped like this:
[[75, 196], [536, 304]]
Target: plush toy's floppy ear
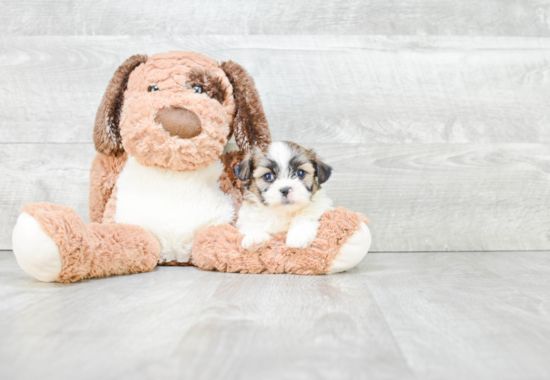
[[107, 138], [250, 124]]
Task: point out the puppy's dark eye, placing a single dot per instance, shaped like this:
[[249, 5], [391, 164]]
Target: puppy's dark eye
[[268, 177], [153, 88], [198, 89], [301, 174]]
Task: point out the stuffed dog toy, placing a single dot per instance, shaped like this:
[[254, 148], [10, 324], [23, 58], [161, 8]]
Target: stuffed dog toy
[[161, 190]]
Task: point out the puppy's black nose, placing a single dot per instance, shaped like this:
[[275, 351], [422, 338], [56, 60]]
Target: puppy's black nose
[[285, 191]]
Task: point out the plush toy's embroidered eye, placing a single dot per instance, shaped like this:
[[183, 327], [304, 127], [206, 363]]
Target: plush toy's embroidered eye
[[301, 174], [268, 177], [198, 89], [153, 88]]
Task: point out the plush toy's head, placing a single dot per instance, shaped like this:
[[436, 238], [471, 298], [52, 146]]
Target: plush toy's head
[[177, 111]]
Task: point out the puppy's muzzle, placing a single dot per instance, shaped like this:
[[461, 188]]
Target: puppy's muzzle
[[179, 122]]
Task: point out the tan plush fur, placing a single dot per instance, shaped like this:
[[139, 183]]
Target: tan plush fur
[[110, 208], [103, 176], [219, 248], [227, 104], [150, 144], [125, 124], [94, 250], [173, 73]]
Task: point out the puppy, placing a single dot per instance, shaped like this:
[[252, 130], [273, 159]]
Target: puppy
[[282, 194]]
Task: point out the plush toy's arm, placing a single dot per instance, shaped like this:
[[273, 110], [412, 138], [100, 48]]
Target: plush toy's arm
[[103, 177], [342, 240], [229, 183]]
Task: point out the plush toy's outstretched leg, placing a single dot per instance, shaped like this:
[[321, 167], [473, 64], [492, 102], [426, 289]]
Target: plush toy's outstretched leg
[[352, 251], [52, 243], [342, 241]]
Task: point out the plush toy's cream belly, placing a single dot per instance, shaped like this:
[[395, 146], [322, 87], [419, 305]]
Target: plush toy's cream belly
[[174, 206]]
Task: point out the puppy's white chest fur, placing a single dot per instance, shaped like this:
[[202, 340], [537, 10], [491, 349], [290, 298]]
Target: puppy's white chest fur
[[254, 215], [174, 206], [259, 222]]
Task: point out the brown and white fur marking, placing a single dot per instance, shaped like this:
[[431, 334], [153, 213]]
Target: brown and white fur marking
[[282, 194]]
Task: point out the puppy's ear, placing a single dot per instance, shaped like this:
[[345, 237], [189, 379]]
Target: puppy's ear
[[322, 170], [250, 124], [107, 138], [243, 170]]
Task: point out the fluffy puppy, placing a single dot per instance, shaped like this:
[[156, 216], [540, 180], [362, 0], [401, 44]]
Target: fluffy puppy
[[282, 194]]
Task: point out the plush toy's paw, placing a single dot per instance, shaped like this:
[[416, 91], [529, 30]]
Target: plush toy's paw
[[353, 250], [255, 239], [301, 235], [36, 252]]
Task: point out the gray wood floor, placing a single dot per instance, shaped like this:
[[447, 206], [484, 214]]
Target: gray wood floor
[[396, 316]]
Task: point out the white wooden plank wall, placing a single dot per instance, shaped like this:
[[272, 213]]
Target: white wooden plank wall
[[434, 114], [289, 17]]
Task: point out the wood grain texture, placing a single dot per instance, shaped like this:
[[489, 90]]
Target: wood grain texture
[[241, 17], [419, 197], [450, 197], [395, 316], [329, 89], [466, 315], [316, 89], [188, 324], [56, 173]]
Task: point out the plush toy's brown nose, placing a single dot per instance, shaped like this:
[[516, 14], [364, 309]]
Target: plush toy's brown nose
[[179, 122]]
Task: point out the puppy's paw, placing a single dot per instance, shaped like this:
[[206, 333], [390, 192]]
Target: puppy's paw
[[301, 235], [256, 239]]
